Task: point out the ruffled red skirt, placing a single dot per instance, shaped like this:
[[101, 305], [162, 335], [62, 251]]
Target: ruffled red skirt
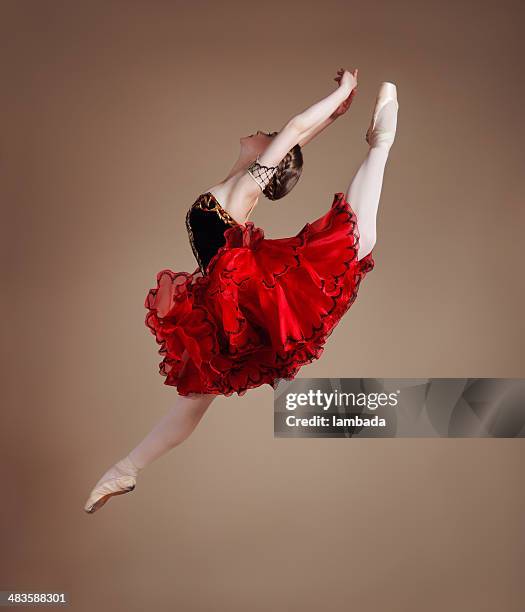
[[264, 308]]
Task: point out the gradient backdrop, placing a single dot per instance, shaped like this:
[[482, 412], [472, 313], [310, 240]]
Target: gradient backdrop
[[116, 115]]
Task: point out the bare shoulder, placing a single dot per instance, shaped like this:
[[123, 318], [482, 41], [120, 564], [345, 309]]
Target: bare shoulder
[[237, 196]]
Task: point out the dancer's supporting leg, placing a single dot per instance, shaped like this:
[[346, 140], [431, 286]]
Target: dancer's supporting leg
[[364, 191]]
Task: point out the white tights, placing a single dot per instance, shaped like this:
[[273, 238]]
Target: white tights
[[363, 194], [174, 427], [365, 189]]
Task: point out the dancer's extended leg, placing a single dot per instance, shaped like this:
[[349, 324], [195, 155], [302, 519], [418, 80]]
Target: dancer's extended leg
[[364, 191], [171, 430]]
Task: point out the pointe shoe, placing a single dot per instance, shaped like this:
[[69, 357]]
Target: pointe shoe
[[376, 136], [124, 481]]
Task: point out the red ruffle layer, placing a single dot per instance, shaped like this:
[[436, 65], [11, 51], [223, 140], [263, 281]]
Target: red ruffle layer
[[264, 309]]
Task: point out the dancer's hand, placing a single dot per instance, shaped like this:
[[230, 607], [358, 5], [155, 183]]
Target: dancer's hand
[[345, 79]]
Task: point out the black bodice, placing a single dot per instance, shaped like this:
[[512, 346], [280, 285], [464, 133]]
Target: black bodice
[[206, 222]]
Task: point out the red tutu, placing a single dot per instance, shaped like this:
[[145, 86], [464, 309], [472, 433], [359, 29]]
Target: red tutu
[[264, 308]]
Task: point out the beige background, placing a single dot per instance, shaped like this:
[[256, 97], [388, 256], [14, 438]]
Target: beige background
[[116, 115]]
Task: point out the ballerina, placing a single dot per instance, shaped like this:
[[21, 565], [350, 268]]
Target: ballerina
[[257, 309]]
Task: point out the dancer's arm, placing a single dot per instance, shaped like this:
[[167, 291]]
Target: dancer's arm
[[314, 132], [341, 110], [308, 123]]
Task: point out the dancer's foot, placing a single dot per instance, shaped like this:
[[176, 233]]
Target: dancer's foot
[[120, 478], [382, 129]]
